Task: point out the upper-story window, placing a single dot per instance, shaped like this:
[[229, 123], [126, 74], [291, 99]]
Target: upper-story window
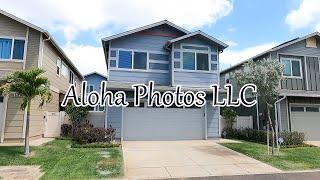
[[59, 64], [90, 88], [292, 67], [71, 77], [132, 59], [12, 49], [195, 58], [64, 70]]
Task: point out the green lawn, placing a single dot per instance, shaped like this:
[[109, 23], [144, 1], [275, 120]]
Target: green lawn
[[59, 161], [289, 159]]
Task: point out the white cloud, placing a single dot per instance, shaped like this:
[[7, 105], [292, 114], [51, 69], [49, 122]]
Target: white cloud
[[231, 57], [306, 15], [86, 58], [231, 29], [74, 16], [232, 43]]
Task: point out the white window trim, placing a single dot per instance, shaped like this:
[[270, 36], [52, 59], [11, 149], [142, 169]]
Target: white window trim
[[195, 61], [208, 52], [292, 59], [12, 45]]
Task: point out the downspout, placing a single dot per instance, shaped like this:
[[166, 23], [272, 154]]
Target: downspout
[[41, 54], [276, 120]]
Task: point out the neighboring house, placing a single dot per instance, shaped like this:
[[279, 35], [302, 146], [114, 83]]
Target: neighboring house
[[93, 84], [168, 55], [300, 90], [24, 46]]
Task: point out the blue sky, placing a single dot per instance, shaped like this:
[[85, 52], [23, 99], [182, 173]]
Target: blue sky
[[248, 26]]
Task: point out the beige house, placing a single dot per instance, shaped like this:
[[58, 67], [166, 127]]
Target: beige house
[[25, 46]]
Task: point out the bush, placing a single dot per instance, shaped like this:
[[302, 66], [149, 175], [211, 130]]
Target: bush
[[66, 130], [292, 138], [86, 133], [253, 135]]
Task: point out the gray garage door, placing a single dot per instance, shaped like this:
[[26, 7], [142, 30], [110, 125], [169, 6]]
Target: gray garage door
[[306, 118], [142, 123]]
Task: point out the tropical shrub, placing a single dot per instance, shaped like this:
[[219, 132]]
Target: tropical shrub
[[253, 135], [86, 133], [66, 130]]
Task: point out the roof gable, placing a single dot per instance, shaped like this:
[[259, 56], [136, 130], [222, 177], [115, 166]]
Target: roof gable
[[46, 33], [202, 34], [145, 28], [95, 73], [280, 46]]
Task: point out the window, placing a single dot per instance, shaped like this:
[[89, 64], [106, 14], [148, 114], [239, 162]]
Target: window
[[125, 59], [195, 58], [90, 88], [202, 62], [297, 109], [292, 67], [64, 70], [132, 59], [71, 77], [189, 60], [12, 49], [140, 60], [312, 109], [195, 61], [58, 66], [205, 48]]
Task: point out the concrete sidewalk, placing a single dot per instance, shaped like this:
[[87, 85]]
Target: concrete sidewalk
[[182, 159], [20, 172], [305, 175], [36, 142]]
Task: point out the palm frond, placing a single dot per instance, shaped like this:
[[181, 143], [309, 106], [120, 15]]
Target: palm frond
[[28, 84]]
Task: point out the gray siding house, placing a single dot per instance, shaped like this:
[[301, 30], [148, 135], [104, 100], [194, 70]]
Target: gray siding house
[[168, 55], [300, 90], [24, 46]]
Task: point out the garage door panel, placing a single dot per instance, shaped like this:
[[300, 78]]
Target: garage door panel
[[306, 122], [163, 124]]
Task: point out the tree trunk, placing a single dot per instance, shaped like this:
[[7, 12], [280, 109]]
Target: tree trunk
[[26, 136], [272, 129]]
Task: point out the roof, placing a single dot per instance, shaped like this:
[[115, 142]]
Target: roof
[[144, 28], [95, 72], [207, 36], [282, 45], [50, 38]]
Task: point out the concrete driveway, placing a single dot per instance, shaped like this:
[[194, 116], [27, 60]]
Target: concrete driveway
[[198, 158]]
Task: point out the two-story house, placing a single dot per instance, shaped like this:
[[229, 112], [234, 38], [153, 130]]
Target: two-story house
[[168, 55], [298, 109], [24, 46]]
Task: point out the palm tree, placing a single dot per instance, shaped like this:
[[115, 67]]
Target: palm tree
[[28, 85]]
